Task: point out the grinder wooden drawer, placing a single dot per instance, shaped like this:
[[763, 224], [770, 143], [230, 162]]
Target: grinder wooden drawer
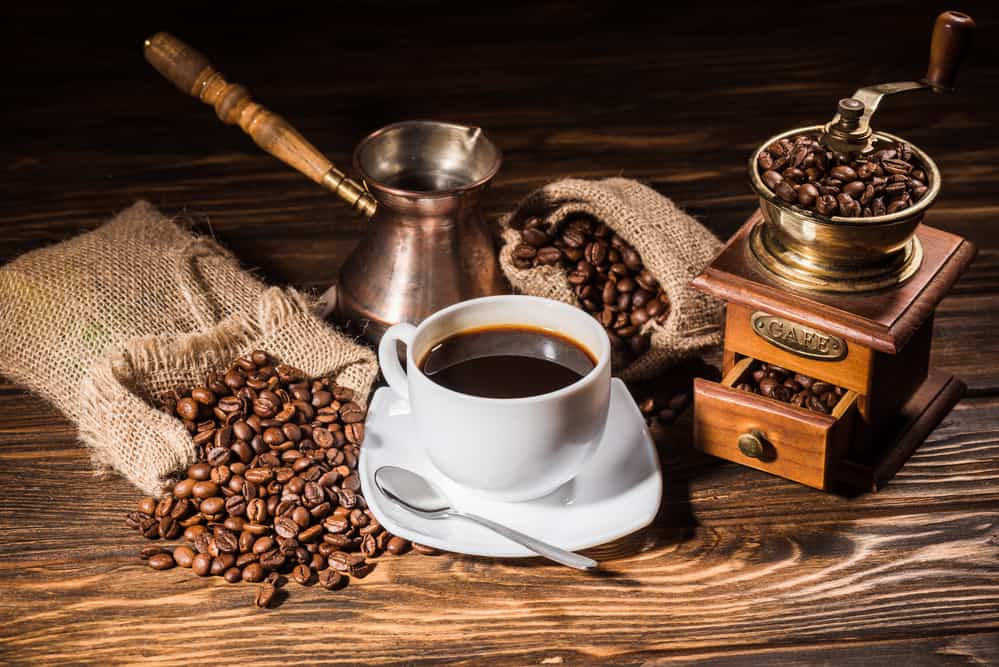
[[768, 434]]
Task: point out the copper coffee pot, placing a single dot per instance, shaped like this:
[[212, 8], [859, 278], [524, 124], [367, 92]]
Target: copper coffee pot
[[421, 183]]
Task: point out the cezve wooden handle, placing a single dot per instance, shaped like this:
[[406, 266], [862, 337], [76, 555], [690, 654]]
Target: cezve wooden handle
[[193, 74], [950, 42]]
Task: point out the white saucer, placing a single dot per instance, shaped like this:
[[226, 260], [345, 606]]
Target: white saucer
[[617, 493]]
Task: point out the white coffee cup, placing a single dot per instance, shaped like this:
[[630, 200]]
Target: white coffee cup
[[504, 448]]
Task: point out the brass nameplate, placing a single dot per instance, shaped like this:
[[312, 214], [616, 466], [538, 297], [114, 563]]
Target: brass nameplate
[[798, 338]]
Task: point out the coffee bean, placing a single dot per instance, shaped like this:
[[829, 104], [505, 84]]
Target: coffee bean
[[301, 516], [182, 489], [183, 555], [302, 574], [187, 408], [201, 564], [549, 255], [848, 206], [234, 379], [149, 552], [236, 505], [896, 166], [771, 178], [648, 282], [786, 191], [330, 579], [220, 564], [212, 506], [351, 413], [168, 528], [341, 561], [897, 204], [191, 532], [826, 205], [227, 542], [535, 237], [286, 527], [808, 194], [354, 432], [200, 472], [161, 561], [229, 405], [524, 253], [204, 489], [254, 572], [203, 395], [266, 596], [843, 173], [397, 545], [260, 357], [865, 170], [855, 188]]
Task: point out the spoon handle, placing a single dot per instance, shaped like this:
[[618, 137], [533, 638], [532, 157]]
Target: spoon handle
[[549, 551]]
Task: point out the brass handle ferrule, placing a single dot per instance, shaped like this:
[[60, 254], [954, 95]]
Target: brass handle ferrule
[[350, 191]]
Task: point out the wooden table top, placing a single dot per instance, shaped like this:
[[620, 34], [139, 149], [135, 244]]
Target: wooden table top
[[739, 566]]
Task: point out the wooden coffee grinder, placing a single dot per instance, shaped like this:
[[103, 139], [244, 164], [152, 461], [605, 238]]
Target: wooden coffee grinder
[[845, 300]]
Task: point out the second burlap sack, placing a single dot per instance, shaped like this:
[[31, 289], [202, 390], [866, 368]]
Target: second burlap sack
[[673, 246], [109, 324]]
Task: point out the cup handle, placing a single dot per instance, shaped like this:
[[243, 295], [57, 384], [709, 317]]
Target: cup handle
[[388, 357]]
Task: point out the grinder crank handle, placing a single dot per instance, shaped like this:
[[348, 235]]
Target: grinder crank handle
[[849, 131], [950, 43], [193, 74]]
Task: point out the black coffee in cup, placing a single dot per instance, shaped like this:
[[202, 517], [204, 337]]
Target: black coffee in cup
[[507, 362]]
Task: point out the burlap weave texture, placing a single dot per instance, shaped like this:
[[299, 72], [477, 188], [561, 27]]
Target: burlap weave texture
[[109, 323]]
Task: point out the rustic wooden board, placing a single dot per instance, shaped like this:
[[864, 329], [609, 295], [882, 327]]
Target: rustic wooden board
[[740, 566]]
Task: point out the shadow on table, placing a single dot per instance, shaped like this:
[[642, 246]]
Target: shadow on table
[[675, 522]]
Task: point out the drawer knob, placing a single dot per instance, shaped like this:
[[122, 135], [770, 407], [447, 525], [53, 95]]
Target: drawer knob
[[751, 444]]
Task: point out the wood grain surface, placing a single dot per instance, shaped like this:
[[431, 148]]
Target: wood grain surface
[[739, 567]]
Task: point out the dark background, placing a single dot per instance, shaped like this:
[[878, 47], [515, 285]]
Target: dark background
[[740, 566], [676, 95]]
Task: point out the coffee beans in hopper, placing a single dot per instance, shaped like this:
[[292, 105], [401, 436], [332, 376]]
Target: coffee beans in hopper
[[804, 173], [790, 387], [605, 272], [275, 490]]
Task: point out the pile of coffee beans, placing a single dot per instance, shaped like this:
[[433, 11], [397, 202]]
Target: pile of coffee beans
[[802, 172], [790, 387], [606, 273], [275, 491]]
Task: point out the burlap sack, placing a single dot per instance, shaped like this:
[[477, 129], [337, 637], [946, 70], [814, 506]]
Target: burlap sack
[[107, 324], [673, 246]]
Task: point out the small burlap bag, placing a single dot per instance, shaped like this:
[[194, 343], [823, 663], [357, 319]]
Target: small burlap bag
[[108, 324], [672, 245]]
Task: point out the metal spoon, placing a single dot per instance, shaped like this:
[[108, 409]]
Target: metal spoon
[[420, 496]]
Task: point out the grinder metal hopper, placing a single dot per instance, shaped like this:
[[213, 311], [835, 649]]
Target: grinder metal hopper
[[809, 251]]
